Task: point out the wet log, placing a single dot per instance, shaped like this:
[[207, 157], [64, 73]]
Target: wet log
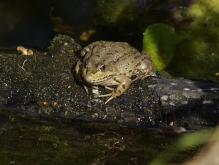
[[43, 84]]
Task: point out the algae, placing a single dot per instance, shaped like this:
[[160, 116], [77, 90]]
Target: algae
[[197, 50], [116, 12]]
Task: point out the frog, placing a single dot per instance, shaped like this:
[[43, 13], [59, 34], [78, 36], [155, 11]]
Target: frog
[[108, 64]]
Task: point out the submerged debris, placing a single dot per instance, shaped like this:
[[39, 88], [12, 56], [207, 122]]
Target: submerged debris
[[24, 51]]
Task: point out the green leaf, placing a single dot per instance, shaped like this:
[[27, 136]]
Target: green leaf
[[160, 41]]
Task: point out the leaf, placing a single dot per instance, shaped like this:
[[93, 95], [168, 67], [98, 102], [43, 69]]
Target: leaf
[[160, 41]]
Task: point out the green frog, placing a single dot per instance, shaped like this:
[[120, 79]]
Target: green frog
[[106, 63]]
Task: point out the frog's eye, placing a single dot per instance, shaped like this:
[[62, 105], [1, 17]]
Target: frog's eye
[[101, 68]]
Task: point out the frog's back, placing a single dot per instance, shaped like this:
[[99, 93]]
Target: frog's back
[[119, 57]]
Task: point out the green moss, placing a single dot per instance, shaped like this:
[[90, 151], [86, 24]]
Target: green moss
[[62, 45], [160, 41]]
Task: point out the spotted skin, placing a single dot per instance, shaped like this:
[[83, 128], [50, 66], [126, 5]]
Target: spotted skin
[[108, 63]]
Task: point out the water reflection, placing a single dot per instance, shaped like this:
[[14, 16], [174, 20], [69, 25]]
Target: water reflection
[[36, 140], [121, 20]]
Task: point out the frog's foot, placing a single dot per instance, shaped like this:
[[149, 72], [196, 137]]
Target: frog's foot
[[120, 89], [111, 94], [86, 89], [95, 87], [139, 77]]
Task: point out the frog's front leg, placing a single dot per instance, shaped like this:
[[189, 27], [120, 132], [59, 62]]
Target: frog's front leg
[[144, 67], [123, 84]]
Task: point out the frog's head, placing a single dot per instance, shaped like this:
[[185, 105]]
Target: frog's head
[[96, 74]]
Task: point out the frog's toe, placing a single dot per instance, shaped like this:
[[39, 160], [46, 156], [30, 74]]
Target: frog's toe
[[86, 89], [112, 97], [111, 89], [106, 95]]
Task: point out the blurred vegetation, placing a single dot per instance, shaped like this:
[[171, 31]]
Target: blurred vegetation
[[112, 12], [197, 51], [184, 143]]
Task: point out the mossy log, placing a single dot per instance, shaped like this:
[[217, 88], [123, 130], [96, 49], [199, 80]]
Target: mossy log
[[43, 84]]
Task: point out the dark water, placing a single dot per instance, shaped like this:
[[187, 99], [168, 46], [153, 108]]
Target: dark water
[[35, 23], [39, 141]]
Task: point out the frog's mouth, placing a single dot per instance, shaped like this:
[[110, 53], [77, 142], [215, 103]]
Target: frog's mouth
[[97, 76]]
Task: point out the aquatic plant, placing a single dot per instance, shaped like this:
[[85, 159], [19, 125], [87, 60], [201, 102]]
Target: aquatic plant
[[160, 41]]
